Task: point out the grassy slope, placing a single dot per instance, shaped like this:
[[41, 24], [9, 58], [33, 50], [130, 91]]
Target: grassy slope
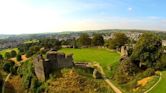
[[8, 50], [72, 82], [102, 56], [160, 88]]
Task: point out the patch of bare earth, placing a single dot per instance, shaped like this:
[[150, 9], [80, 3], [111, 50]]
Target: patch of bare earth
[[142, 82], [14, 85], [24, 58]]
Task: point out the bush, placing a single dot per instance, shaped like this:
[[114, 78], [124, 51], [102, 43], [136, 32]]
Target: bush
[[1, 57], [125, 71], [18, 57], [148, 72], [29, 54], [161, 63], [35, 84], [13, 53], [7, 55], [8, 66]]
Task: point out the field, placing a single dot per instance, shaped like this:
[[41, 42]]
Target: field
[[8, 50], [104, 57], [160, 88]]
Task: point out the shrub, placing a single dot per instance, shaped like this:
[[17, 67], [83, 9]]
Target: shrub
[[1, 57], [161, 63], [18, 57], [29, 54], [35, 84], [148, 72], [8, 66], [7, 55], [125, 71], [13, 53]]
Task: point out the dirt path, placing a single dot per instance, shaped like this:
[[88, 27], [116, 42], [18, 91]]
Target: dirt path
[[4, 83], [100, 69]]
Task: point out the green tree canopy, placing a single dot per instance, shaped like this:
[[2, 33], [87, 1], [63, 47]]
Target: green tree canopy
[[147, 50], [1, 57], [98, 40], [8, 66], [7, 55], [13, 53], [29, 54], [84, 40], [118, 40], [18, 57]]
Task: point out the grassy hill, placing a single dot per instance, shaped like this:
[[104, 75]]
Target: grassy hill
[[72, 82], [102, 56], [160, 88]]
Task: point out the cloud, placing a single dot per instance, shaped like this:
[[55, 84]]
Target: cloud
[[130, 9]]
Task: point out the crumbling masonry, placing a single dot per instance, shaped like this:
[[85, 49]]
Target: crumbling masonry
[[53, 61]]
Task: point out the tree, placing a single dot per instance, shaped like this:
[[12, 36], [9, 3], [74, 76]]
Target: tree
[[98, 40], [50, 43], [7, 66], [118, 40], [1, 57], [18, 57], [84, 40], [125, 71], [147, 50], [7, 55], [13, 53], [34, 49], [29, 54]]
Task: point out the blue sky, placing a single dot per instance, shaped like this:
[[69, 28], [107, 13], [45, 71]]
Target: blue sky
[[36, 16]]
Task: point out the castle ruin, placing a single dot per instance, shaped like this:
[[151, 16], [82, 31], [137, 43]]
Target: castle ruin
[[53, 61]]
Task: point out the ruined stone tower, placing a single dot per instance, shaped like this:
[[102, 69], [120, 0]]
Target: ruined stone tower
[[53, 61]]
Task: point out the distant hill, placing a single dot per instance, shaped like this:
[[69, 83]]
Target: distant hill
[[73, 33]]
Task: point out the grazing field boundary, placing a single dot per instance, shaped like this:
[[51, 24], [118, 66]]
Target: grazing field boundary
[[154, 84]]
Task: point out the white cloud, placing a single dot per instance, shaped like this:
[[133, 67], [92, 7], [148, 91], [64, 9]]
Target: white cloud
[[130, 9]]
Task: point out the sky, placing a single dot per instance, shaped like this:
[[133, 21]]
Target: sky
[[40, 16]]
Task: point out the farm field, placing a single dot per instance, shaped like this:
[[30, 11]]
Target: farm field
[[160, 87], [102, 56]]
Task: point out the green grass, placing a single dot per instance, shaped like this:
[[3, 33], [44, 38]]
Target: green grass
[[102, 56], [8, 50], [160, 88]]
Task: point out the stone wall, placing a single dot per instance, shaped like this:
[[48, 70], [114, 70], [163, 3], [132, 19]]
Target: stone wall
[[53, 61], [39, 67], [124, 51]]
